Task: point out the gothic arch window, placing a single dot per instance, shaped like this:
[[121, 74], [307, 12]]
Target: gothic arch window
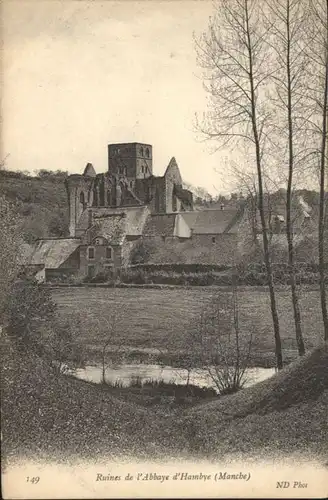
[[82, 199], [95, 197], [141, 151], [101, 196], [109, 197], [147, 152], [174, 203]]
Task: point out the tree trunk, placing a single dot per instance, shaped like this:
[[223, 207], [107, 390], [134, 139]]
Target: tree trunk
[[323, 153], [274, 313], [289, 224]]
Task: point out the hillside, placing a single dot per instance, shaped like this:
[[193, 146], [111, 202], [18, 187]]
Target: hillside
[[58, 417], [283, 415], [42, 202]]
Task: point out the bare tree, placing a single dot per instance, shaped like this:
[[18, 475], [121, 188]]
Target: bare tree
[[286, 19], [217, 340], [111, 334], [317, 123], [236, 63], [323, 18]]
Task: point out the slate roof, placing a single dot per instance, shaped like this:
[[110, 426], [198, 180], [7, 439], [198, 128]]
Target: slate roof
[[111, 227], [160, 225], [212, 221], [52, 253], [114, 225]]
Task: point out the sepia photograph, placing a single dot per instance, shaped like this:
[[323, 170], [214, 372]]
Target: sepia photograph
[[164, 249]]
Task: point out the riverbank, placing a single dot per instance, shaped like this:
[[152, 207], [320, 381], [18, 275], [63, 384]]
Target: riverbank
[[127, 355]]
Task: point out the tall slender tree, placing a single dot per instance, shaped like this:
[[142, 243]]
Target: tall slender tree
[[323, 18], [287, 19], [237, 68], [318, 125]]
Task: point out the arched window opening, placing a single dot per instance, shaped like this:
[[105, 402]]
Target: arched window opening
[[101, 196], [174, 203], [141, 151], [147, 152], [95, 197], [109, 197]]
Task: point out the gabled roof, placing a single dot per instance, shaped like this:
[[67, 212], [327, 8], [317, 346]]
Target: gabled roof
[[89, 170], [115, 224], [212, 221], [52, 253], [160, 225], [173, 170], [111, 227]]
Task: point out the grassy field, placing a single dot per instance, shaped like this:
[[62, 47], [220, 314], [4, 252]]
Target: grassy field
[[150, 319]]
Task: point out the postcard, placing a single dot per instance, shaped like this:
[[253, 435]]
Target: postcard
[[164, 249]]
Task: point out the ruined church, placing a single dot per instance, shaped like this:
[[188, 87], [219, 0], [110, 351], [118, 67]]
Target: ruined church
[[112, 212]]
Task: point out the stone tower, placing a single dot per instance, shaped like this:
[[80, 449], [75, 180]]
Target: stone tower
[[133, 160]]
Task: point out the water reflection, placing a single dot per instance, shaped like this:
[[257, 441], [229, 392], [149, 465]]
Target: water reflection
[[125, 374]]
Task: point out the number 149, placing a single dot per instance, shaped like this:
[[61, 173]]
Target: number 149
[[33, 480]]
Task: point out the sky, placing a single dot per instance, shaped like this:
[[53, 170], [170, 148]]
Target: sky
[[78, 75]]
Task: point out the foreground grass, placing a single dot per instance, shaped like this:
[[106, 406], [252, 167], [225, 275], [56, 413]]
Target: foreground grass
[[60, 418], [140, 330], [285, 414], [44, 415]]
